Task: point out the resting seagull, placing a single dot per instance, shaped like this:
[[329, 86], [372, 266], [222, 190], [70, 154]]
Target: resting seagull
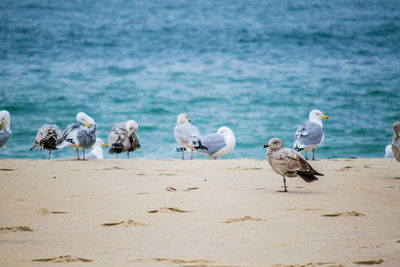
[[79, 135], [309, 135], [217, 144], [186, 134], [122, 138], [396, 140], [47, 138], [97, 150], [5, 130], [288, 162]]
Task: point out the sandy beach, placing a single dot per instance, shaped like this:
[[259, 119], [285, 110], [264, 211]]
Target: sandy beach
[[198, 213]]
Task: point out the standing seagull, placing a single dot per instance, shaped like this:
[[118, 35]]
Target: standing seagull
[[79, 135], [47, 138], [309, 135], [97, 150], [5, 130], [122, 138], [217, 144], [186, 134], [396, 140], [288, 162]]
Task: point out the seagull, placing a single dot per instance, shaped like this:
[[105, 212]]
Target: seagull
[[47, 138], [388, 151], [288, 162], [79, 135], [97, 151], [122, 138], [186, 134], [218, 144], [396, 140], [5, 130], [309, 135]]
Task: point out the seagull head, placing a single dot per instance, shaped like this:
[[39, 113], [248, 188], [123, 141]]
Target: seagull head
[[100, 142], [5, 119], [316, 115], [182, 118], [131, 126], [274, 144], [83, 118]]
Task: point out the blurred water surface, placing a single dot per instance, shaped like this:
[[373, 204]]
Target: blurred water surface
[[258, 67]]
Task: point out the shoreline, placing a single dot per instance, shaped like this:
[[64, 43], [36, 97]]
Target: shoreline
[[198, 213]]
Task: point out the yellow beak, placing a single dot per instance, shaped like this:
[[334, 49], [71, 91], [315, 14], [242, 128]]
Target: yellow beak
[[105, 145], [87, 125], [325, 117], [1, 126]]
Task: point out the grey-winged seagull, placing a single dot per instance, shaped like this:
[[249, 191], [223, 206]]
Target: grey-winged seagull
[[79, 135], [217, 144], [311, 134], [97, 150], [186, 134], [288, 162]]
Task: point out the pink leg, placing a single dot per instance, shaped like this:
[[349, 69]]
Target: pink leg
[[49, 154], [183, 153], [77, 154], [191, 155], [83, 154], [313, 152], [306, 155]]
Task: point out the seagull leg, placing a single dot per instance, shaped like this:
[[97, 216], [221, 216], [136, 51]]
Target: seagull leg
[[313, 152], [128, 155], [77, 154], [191, 154], [116, 155], [306, 155], [83, 153], [284, 185], [215, 158], [183, 153], [49, 154]]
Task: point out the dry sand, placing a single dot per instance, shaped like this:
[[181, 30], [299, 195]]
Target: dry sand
[[198, 213]]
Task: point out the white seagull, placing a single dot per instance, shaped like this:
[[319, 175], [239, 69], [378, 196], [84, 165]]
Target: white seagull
[[218, 144], [79, 135], [5, 130], [186, 134], [97, 150], [288, 162], [122, 138], [309, 135], [47, 138]]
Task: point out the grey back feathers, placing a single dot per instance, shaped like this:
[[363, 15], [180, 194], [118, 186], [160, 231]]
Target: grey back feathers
[[213, 142], [308, 134]]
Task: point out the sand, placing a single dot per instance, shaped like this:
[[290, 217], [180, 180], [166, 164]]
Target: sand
[[198, 213]]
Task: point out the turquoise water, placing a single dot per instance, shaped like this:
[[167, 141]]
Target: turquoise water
[[258, 67]]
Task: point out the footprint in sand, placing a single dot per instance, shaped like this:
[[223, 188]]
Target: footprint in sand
[[172, 261], [243, 219], [344, 214], [113, 168], [369, 262], [6, 170], [17, 229], [44, 211], [168, 210], [127, 223], [66, 258], [346, 168]]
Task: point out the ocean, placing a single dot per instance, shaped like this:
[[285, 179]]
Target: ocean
[[258, 67]]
